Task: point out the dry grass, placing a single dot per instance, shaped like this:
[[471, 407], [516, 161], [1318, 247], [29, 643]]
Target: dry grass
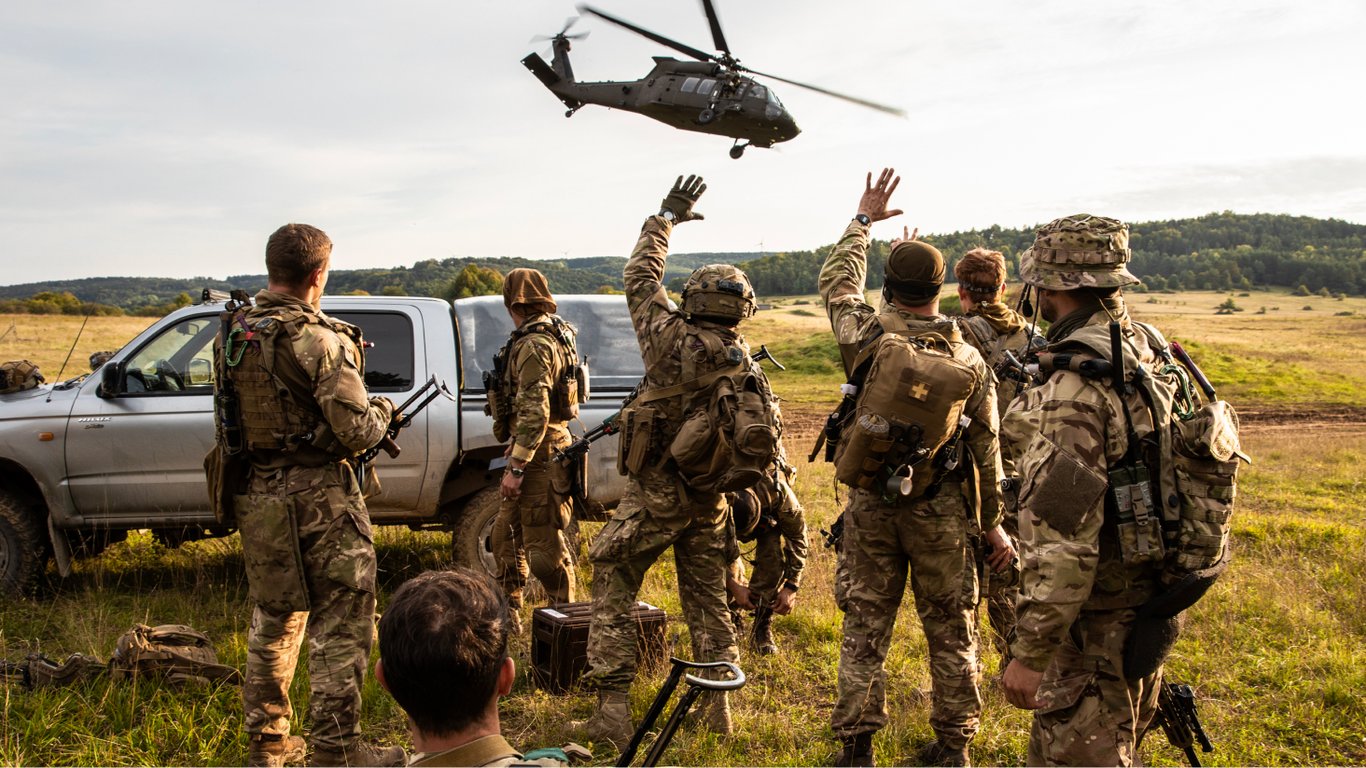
[[46, 339]]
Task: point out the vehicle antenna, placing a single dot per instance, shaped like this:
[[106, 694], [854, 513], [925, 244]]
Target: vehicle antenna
[[74, 342]]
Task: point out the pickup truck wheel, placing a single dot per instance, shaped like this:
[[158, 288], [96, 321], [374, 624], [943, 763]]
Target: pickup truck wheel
[[23, 546], [472, 539]]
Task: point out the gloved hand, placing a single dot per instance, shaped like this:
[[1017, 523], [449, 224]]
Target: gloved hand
[[682, 197]]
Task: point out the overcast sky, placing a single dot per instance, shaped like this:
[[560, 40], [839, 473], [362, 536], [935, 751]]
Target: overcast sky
[[170, 137]]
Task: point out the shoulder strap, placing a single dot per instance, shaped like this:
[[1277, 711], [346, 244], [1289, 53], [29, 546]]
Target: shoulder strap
[[705, 380]]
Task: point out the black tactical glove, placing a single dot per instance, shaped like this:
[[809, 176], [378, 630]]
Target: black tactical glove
[[677, 207]]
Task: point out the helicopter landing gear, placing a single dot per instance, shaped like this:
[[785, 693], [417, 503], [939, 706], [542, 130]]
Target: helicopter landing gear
[[737, 150], [570, 112], [706, 116]]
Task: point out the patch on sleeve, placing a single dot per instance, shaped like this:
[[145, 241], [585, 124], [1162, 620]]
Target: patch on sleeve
[[1061, 490]]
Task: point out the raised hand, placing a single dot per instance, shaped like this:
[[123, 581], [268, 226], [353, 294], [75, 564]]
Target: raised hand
[[682, 198], [873, 203]]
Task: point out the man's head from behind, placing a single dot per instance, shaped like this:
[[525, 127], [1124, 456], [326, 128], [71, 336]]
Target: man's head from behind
[[981, 277], [913, 274], [443, 650], [297, 259]]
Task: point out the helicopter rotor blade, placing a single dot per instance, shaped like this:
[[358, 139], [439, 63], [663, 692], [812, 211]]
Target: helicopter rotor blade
[[836, 94], [658, 38], [717, 38]]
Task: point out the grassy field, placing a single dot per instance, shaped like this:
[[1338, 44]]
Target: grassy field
[[1276, 652]]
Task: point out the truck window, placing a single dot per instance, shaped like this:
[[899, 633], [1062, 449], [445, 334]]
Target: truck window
[[178, 360], [389, 363]]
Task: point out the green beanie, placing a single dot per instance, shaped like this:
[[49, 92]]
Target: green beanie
[[914, 270]]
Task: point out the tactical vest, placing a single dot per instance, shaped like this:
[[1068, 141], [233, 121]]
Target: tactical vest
[[570, 387], [911, 394], [720, 425], [19, 375], [981, 334], [276, 404]]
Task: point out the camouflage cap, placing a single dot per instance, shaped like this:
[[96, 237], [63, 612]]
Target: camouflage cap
[[1079, 251]]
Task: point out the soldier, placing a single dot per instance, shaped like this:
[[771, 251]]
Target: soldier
[[306, 539], [1078, 594], [770, 515], [445, 632], [927, 534], [658, 509], [995, 329], [533, 410]]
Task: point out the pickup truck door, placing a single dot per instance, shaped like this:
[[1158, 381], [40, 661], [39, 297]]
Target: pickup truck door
[[140, 455]]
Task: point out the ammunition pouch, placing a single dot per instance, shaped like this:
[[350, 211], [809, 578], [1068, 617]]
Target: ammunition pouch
[[1129, 498], [638, 427]]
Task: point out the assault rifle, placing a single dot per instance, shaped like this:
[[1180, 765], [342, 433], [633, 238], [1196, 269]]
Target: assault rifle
[[225, 394], [835, 535], [1179, 720], [402, 418]]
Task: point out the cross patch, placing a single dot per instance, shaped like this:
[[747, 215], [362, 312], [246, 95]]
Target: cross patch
[[920, 391]]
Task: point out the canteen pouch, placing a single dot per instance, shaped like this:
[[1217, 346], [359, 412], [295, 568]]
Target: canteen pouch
[[862, 451], [270, 549]]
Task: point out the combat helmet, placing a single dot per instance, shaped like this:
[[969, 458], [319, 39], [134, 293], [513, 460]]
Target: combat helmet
[[720, 293], [1078, 251]]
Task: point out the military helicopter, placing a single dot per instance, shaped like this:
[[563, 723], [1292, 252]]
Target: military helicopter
[[711, 95]]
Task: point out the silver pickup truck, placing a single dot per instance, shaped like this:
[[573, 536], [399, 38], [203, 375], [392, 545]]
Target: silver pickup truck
[[84, 461]]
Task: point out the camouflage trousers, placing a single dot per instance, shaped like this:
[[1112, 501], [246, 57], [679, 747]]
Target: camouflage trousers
[[646, 524], [337, 558], [882, 544], [528, 534], [767, 575], [1000, 597], [1092, 715]]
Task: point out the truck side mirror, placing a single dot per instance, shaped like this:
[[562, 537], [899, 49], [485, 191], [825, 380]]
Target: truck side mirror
[[111, 379]]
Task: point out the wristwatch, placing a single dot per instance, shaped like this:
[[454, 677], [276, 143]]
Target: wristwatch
[[790, 585], [863, 219], [667, 214], [516, 471]]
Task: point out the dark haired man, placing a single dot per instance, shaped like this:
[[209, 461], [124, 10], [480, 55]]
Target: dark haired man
[[304, 413], [443, 656]]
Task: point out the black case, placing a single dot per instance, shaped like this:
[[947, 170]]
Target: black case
[[559, 642]]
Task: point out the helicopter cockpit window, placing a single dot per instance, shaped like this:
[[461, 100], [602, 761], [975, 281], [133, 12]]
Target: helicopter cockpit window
[[706, 86], [758, 92], [690, 84], [773, 98]]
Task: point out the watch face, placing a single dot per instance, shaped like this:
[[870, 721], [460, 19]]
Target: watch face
[[667, 214]]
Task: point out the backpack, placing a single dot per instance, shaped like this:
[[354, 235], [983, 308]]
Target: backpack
[[19, 375], [730, 432], [175, 652], [911, 393]]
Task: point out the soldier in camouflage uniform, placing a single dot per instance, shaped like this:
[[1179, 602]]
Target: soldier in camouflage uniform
[[929, 537], [994, 329], [306, 536], [531, 521], [770, 515], [1078, 596], [443, 644], [658, 510]]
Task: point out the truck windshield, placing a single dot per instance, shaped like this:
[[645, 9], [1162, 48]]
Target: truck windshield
[[605, 337]]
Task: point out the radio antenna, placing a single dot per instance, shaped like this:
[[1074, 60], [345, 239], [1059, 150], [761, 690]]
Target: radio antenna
[[73, 346]]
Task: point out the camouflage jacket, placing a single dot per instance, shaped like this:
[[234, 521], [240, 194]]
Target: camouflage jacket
[[842, 282], [666, 336], [320, 368], [791, 524], [1067, 434], [534, 365]]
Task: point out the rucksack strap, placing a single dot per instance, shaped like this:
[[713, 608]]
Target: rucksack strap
[[705, 380]]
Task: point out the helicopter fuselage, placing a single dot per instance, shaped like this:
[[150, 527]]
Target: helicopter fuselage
[[690, 95]]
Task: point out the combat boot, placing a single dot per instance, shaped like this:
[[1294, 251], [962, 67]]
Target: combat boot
[[857, 752], [762, 634], [714, 712], [612, 720], [938, 753], [359, 754], [273, 751]]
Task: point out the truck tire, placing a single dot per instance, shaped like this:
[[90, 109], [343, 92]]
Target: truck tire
[[471, 541], [23, 546]]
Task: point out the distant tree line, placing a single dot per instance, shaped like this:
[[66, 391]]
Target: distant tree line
[[1220, 251]]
